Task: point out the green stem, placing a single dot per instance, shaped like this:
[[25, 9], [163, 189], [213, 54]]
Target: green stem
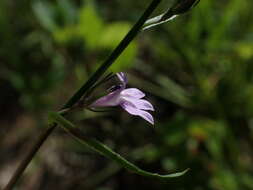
[[115, 54], [28, 157], [75, 98]]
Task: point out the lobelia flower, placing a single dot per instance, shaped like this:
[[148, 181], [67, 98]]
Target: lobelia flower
[[130, 99]]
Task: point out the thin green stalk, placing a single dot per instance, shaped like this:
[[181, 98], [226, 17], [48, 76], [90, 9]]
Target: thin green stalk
[[115, 54], [28, 157], [75, 98]]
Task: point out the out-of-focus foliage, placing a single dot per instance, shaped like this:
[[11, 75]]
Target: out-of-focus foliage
[[196, 70]]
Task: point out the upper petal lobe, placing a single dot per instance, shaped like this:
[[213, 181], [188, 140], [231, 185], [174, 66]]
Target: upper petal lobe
[[133, 92]]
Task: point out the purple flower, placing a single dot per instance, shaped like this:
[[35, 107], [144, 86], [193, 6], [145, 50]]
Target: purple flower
[[130, 99]]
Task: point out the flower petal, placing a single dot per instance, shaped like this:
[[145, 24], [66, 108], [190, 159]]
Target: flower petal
[[122, 77], [139, 103], [133, 92], [111, 99], [144, 105], [135, 111]]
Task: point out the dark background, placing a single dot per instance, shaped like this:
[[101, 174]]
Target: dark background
[[196, 71]]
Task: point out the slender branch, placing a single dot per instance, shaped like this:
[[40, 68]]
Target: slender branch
[[76, 97], [115, 54], [28, 157]]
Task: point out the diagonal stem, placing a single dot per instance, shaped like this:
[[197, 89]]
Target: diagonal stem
[[75, 98], [28, 157], [115, 54]]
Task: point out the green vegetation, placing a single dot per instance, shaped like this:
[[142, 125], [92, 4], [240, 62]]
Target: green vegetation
[[196, 70]]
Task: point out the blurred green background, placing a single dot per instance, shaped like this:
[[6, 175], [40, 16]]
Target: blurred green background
[[196, 70]]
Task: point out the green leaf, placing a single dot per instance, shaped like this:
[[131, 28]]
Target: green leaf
[[111, 36], [68, 11], [65, 34], [104, 150], [113, 33], [90, 26], [44, 12]]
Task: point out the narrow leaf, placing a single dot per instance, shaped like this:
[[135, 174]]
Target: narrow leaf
[[106, 151], [157, 21]]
